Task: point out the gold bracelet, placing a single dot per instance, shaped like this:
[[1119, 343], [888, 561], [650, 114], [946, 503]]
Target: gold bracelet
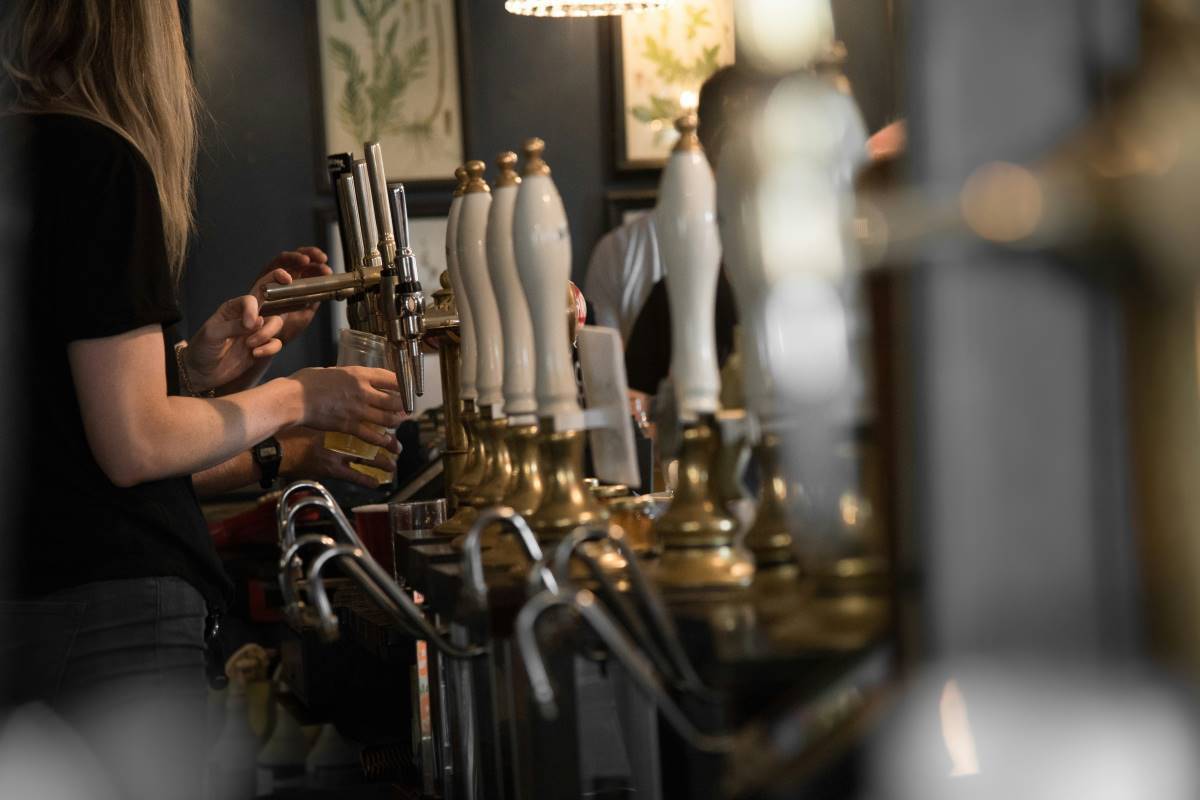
[[185, 382]]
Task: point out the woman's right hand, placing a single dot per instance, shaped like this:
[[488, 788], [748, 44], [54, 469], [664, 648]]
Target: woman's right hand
[[361, 401]]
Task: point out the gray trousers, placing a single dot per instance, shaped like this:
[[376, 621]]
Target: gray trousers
[[122, 662]]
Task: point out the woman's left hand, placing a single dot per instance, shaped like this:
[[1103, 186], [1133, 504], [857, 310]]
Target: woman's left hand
[[305, 456], [230, 342], [303, 262]]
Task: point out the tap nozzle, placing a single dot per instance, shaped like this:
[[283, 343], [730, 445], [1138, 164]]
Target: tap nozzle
[[410, 298], [404, 377]]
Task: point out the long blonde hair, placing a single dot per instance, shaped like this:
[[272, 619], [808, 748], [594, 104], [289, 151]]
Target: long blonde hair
[[123, 64]]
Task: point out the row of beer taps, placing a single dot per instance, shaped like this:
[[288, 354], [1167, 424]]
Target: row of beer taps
[[774, 213], [523, 508], [524, 513]]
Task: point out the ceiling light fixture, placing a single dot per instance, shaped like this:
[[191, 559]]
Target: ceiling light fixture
[[582, 8]]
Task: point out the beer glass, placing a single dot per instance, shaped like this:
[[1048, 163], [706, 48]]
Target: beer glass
[[358, 349]]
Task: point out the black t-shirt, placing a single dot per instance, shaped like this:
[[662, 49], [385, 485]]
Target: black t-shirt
[[97, 267], [648, 351]]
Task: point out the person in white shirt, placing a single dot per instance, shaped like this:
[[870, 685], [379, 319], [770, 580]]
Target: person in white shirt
[[623, 268]]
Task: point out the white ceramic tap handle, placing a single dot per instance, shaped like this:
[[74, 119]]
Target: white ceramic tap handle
[[542, 243], [738, 220], [472, 263], [466, 327], [685, 220], [520, 396]]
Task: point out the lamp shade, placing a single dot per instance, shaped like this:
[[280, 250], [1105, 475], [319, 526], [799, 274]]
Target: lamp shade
[[581, 8]]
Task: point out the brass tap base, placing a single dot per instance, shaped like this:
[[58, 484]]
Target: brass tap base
[[634, 515], [840, 624], [854, 575], [498, 544], [460, 523], [524, 490], [780, 591], [703, 569], [497, 466], [733, 453], [472, 471], [454, 458], [497, 474], [769, 537], [697, 536], [566, 500], [453, 462]]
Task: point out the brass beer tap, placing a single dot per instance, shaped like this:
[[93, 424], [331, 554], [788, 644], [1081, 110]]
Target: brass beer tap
[[461, 491], [523, 490], [472, 262], [696, 533], [542, 246]]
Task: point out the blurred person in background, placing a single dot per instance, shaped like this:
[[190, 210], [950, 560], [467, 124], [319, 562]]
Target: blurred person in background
[[728, 94], [116, 584], [648, 341], [621, 271]]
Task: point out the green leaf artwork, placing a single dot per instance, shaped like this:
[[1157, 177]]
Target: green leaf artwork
[[401, 49], [697, 19], [681, 52]]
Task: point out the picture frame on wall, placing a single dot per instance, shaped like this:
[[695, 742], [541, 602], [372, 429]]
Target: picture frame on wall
[[660, 60], [391, 71]]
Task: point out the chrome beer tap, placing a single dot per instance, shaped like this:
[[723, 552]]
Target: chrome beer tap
[[372, 260], [337, 165], [358, 278], [411, 297], [400, 299]]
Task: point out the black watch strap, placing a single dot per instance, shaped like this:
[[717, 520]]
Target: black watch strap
[[268, 455]]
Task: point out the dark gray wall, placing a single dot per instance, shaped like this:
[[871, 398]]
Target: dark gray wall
[[256, 192], [1021, 485], [257, 73]]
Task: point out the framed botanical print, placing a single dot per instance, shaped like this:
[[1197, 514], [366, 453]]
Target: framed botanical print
[[660, 60], [390, 71]]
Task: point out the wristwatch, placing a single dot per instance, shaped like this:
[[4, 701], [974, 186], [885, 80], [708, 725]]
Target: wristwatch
[[268, 455]]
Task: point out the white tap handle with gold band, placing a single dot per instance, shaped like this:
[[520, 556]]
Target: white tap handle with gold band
[[520, 396], [542, 243], [686, 224], [466, 327], [472, 263], [738, 220]]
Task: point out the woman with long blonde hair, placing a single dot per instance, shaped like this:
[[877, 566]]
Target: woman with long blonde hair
[[116, 579]]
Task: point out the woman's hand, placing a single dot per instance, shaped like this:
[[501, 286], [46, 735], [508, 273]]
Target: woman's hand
[[362, 401], [305, 456], [303, 262], [230, 342]]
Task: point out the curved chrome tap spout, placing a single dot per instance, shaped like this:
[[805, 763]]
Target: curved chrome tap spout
[[287, 537], [637, 665], [293, 607], [384, 591], [286, 515], [664, 627], [281, 509], [291, 602], [327, 621], [472, 563], [571, 547]]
